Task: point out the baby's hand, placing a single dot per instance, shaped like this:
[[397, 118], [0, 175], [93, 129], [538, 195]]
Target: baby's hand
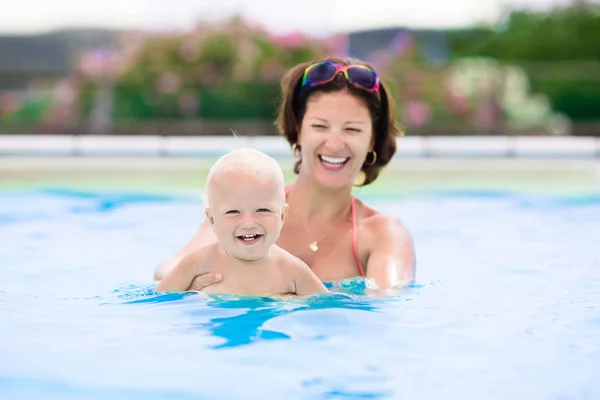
[[204, 280]]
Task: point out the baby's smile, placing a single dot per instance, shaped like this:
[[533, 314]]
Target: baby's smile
[[249, 238]]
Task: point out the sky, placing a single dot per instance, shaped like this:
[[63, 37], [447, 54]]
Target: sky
[[317, 17]]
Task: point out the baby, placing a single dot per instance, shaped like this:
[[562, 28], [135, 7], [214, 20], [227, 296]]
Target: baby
[[245, 204]]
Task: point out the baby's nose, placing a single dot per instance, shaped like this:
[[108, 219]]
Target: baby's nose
[[249, 222]]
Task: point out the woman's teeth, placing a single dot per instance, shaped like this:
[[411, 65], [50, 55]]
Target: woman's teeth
[[334, 160]]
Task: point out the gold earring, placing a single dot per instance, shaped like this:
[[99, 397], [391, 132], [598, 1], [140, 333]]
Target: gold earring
[[374, 158], [296, 149], [360, 179]]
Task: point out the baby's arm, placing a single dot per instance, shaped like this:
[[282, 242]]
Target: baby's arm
[[180, 278], [305, 280]]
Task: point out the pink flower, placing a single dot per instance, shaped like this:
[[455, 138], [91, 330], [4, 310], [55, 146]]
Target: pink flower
[[271, 70], [296, 39], [9, 103], [188, 104], [169, 83], [189, 50], [417, 113], [97, 63]]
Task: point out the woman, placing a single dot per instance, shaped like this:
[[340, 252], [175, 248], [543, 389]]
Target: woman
[[340, 122]]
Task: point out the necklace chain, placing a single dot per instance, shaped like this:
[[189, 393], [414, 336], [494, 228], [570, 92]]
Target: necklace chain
[[314, 245]]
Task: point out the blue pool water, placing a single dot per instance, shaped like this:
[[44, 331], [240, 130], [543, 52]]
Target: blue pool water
[[506, 306]]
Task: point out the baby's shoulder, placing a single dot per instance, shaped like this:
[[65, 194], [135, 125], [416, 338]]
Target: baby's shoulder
[[287, 261]]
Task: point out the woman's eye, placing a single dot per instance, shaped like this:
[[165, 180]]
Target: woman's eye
[[353, 130], [319, 126]]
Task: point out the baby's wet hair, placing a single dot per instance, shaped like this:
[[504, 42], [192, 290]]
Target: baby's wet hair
[[248, 161]]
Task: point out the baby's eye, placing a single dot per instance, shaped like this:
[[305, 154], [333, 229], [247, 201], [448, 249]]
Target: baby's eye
[[232, 212], [263, 210]]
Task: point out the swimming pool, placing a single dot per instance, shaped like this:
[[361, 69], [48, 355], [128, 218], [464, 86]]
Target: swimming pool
[[506, 305]]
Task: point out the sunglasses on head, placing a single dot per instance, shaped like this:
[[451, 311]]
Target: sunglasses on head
[[357, 75]]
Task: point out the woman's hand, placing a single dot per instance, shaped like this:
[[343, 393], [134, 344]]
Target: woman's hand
[[204, 280], [204, 236]]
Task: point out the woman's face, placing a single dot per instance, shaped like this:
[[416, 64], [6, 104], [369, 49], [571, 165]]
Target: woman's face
[[335, 136]]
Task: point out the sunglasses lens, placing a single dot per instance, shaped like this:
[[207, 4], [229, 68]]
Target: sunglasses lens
[[363, 77], [320, 73]]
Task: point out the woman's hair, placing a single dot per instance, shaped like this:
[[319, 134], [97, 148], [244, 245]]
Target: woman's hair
[[383, 112]]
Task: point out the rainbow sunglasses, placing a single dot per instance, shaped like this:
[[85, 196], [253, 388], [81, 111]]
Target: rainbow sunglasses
[[357, 75]]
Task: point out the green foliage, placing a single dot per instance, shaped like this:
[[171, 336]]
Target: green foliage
[[216, 72], [559, 50]]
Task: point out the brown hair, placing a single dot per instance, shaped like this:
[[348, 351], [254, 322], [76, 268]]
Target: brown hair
[[383, 113]]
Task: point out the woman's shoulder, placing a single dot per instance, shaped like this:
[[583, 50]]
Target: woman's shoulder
[[375, 224]]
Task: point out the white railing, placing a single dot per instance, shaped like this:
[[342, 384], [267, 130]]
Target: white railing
[[212, 146]]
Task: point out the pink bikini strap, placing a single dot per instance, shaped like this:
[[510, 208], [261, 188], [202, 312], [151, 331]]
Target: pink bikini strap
[[354, 240]]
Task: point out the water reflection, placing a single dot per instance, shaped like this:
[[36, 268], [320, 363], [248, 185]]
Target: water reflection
[[248, 326], [240, 320]]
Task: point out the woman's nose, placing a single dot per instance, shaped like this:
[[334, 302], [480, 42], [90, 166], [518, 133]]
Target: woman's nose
[[335, 141]]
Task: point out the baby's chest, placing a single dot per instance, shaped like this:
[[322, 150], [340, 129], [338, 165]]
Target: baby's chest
[[259, 284]]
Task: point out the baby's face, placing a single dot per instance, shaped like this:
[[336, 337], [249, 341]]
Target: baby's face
[[247, 214]]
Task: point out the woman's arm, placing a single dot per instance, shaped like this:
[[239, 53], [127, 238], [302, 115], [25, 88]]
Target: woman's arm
[[179, 279], [205, 235], [391, 262]]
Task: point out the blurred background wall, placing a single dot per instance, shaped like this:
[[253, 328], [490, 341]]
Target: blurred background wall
[[527, 71]]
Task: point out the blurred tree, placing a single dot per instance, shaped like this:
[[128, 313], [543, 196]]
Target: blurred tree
[[221, 72], [559, 50]]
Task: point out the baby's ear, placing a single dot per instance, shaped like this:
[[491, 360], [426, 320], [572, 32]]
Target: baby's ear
[[209, 216], [284, 212]]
